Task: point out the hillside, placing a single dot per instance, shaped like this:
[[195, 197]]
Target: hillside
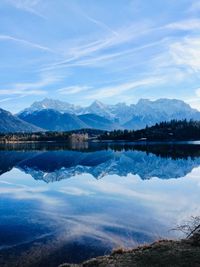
[[11, 123], [53, 120]]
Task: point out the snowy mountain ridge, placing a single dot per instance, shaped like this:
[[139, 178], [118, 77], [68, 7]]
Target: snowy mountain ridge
[[133, 116]]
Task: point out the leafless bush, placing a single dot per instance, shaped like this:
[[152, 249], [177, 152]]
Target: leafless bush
[[190, 227]]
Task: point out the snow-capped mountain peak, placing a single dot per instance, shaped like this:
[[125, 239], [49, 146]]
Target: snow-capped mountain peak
[[48, 103]]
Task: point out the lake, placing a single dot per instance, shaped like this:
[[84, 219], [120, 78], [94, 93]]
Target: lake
[[67, 203]]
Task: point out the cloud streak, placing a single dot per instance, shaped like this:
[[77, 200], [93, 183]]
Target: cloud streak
[[25, 43], [99, 48], [189, 24], [31, 88], [73, 90], [101, 24], [110, 91], [27, 5]]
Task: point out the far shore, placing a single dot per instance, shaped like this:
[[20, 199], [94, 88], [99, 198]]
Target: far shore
[[142, 142]]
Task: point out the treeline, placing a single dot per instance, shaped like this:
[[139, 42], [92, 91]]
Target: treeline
[[34, 137], [49, 136], [165, 131]]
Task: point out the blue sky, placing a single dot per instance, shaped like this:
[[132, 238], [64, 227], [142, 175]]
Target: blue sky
[[110, 50]]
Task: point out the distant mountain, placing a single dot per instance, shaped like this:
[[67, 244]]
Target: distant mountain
[[11, 123], [134, 116], [97, 122], [150, 112], [53, 120], [98, 108], [48, 103]]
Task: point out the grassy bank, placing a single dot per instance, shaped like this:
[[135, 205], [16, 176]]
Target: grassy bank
[[165, 253]]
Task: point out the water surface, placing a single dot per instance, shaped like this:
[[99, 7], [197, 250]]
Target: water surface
[[63, 203]]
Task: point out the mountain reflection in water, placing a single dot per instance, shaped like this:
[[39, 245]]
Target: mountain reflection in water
[[53, 163]]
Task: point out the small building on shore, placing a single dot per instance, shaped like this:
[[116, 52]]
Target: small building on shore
[[75, 137]]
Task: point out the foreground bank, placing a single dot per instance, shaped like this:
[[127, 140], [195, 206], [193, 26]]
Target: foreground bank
[[184, 253]]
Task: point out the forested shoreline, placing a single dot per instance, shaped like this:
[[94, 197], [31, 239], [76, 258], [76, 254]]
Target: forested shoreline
[[164, 131]]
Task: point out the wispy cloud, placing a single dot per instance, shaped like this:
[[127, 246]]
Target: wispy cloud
[[197, 91], [28, 193], [111, 91], [32, 88], [100, 24], [25, 43], [195, 7], [186, 53], [104, 58], [101, 50], [73, 89], [110, 47], [27, 5], [6, 99], [189, 24], [79, 55], [22, 92]]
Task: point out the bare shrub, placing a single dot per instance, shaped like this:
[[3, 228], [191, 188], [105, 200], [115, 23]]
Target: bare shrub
[[190, 227]]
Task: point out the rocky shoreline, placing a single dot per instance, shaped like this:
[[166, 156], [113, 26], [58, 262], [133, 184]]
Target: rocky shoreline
[[165, 253]]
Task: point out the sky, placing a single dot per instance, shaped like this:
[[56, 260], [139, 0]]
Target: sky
[[108, 50]]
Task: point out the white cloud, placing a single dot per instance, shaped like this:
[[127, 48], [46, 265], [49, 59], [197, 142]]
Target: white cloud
[[190, 24], [193, 102], [197, 92], [32, 88], [23, 192], [73, 89], [186, 53], [70, 190], [110, 91]]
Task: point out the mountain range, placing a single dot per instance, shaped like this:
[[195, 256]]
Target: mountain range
[[56, 115], [107, 117]]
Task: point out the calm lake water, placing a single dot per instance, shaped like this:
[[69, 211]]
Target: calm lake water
[[62, 203]]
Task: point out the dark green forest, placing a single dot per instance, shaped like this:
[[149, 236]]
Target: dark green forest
[[164, 131]]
